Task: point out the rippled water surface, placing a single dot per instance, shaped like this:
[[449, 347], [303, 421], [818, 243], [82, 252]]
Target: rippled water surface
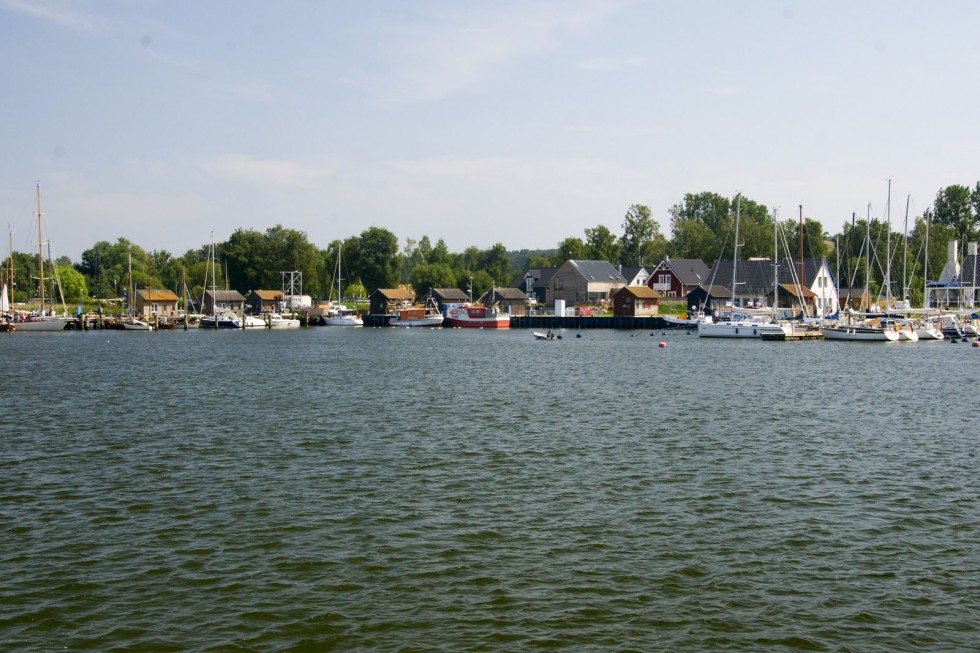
[[451, 490]]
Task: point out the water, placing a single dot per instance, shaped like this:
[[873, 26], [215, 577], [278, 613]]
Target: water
[[451, 490]]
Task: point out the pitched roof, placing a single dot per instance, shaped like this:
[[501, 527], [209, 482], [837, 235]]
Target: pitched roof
[[541, 277], [450, 294], [690, 271], [640, 292], [630, 273], [225, 295], [268, 295], [597, 271], [394, 293], [154, 295], [511, 294], [755, 276]]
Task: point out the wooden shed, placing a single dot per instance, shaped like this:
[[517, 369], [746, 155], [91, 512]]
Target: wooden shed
[[636, 301]]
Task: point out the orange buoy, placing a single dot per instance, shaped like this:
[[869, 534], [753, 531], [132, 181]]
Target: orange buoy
[[663, 345]]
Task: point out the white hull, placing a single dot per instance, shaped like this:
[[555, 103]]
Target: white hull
[[344, 320], [428, 321], [929, 333], [863, 334], [136, 325], [42, 324], [740, 329], [280, 322]]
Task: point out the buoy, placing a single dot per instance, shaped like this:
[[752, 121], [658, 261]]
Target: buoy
[[976, 344], [578, 335], [663, 345]]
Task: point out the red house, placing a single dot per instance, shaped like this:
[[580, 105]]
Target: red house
[[677, 277]]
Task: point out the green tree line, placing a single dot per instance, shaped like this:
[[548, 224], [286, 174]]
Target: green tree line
[[701, 226]]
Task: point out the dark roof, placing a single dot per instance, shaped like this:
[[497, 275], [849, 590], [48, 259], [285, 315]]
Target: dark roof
[[541, 277], [511, 294], [969, 271], [690, 271], [597, 271], [449, 294], [630, 273], [755, 276], [225, 295]]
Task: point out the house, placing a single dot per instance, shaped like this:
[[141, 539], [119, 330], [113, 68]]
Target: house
[[448, 299], [150, 302], [512, 301], [385, 301], [635, 276], [263, 301], [583, 283], [216, 301], [957, 284], [756, 278], [535, 282], [678, 277], [636, 301]]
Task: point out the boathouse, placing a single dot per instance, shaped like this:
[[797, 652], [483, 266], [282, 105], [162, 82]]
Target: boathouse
[[385, 301], [263, 301], [223, 300], [150, 302], [448, 298], [636, 301], [512, 301]]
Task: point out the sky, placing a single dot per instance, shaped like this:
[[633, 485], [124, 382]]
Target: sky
[[521, 123]]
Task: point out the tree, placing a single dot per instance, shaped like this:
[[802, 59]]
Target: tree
[[496, 264], [571, 249], [432, 275], [639, 232], [72, 283], [375, 262], [602, 245], [954, 207]]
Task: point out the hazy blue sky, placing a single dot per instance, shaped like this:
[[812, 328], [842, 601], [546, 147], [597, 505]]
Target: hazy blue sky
[[478, 122]]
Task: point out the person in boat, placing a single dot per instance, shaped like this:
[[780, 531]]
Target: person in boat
[[549, 335]]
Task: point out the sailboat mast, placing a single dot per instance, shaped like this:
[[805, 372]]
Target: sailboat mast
[[802, 275], [738, 213], [40, 247], [888, 248], [867, 260], [925, 271], [905, 256]]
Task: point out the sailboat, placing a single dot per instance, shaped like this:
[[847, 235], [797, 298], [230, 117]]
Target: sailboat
[[341, 315], [42, 320], [870, 328], [131, 322], [753, 326], [217, 318]]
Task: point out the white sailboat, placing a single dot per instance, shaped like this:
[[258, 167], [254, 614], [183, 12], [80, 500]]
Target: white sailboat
[[752, 326], [217, 318], [869, 327], [42, 320], [340, 315]]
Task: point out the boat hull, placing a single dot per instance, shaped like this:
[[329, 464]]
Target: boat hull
[[739, 329], [43, 324], [429, 321], [859, 334]]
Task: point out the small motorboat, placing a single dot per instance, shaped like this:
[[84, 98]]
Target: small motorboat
[[544, 336]]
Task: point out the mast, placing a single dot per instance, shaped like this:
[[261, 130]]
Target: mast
[[738, 213], [867, 261], [888, 248], [905, 256], [802, 275], [775, 267], [40, 248], [925, 272]]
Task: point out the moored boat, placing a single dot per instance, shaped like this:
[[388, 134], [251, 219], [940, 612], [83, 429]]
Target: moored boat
[[479, 317], [418, 316]]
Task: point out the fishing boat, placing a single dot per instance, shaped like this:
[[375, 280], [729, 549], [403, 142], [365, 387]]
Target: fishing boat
[[340, 315], [418, 316], [479, 317], [42, 320]]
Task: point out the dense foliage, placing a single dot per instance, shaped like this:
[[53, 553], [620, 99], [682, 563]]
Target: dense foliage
[[701, 226]]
